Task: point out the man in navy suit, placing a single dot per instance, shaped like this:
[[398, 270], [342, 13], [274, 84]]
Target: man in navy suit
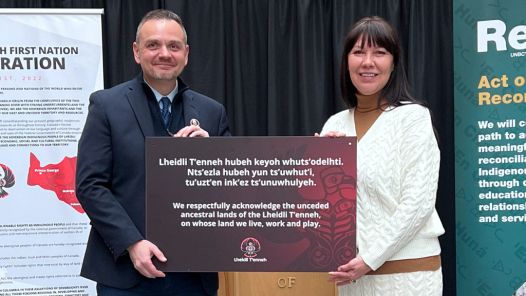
[[111, 162]]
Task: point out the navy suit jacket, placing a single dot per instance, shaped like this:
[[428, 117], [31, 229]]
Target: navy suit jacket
[[110, 180]]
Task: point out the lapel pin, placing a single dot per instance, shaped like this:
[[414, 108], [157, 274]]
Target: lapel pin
[[194, 121]]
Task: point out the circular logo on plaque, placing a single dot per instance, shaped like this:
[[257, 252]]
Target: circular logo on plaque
[[250, 247]]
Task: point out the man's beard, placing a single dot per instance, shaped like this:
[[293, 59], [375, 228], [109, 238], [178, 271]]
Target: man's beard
[[165, 76]]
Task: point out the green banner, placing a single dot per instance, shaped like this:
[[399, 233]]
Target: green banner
[[490, 143]]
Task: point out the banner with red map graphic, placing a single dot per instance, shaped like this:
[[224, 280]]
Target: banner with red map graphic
[[51, 62]]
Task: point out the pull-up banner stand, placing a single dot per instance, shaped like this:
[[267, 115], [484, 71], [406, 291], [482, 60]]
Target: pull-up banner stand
[[50, 61], [490, 142]]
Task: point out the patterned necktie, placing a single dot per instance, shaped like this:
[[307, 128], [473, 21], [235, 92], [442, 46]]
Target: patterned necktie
[[165, 110]]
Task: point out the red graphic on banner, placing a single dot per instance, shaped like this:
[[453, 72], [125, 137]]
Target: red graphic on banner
[[334, 237], [333, 240], [59, 178], [7, 179]]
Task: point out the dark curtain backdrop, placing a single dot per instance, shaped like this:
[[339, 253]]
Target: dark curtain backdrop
[[274, 64]]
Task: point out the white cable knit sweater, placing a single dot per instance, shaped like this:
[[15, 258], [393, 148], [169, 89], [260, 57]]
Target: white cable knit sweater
[[398, 164]]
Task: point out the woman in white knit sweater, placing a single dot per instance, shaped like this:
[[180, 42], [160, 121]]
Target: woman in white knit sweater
[[398, 164]]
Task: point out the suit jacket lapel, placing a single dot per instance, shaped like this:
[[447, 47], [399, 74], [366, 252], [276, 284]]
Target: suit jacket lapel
[[139, 104], [190, 110]]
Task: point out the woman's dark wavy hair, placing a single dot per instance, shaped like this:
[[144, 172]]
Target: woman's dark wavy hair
[[375, 31]]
